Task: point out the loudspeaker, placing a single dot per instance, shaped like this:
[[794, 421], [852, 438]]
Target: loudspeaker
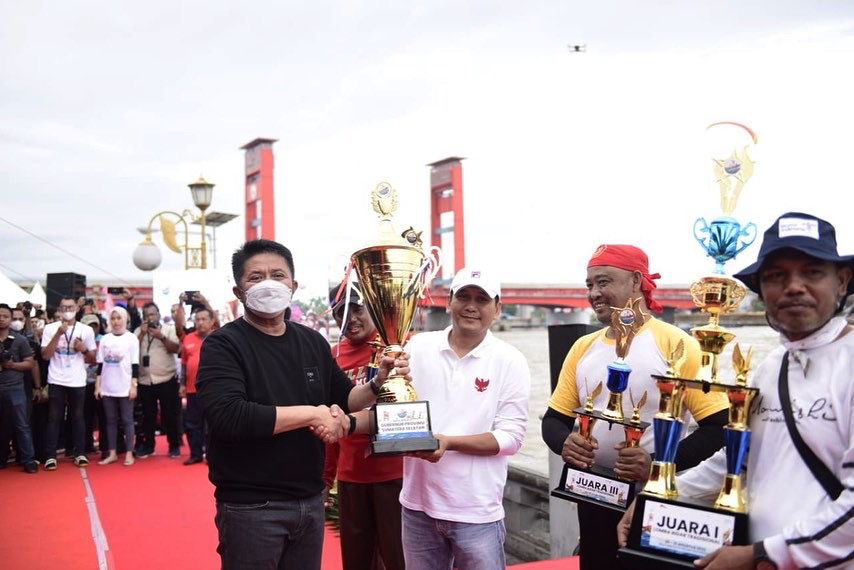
[[561, 339], [61, 285]]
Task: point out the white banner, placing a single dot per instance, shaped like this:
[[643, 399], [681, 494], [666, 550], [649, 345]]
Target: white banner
[[402, 418], [595, 487], [683, 530]]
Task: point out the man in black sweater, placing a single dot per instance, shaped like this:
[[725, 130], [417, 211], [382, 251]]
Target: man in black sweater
[[272, 395]]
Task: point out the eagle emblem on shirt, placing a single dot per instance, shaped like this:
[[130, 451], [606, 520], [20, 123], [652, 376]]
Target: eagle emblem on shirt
[[481, 384]]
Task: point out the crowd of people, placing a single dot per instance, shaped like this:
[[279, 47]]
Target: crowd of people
[[288, 416], [98, 384]]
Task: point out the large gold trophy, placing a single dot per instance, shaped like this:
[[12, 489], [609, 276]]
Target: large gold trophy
[[669, 531], [393, 273]]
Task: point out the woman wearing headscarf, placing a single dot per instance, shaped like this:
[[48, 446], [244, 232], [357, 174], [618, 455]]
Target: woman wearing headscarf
[[116, 382]]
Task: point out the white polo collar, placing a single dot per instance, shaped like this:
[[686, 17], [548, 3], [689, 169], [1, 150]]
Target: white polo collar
[[476, 352]]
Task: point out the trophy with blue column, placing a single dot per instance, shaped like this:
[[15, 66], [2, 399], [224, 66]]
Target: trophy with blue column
[[596, 484], [669, 531], [722, 240]]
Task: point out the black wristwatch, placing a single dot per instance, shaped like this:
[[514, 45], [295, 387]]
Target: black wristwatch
[[374, 388], [352, 424], [760, 557]]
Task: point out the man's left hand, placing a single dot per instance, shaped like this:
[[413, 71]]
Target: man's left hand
[[632, 462], [728, 558], [79, 346], [155, 332], [390, 366], [434, 456]]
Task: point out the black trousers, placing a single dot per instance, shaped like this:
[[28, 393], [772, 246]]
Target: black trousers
[[598, 542], [370, 525], [166, 393]]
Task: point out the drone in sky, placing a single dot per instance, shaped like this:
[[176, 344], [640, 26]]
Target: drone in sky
[[577, 48]]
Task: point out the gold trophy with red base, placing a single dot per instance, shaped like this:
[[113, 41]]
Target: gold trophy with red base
[[595, 484], [393, 273]]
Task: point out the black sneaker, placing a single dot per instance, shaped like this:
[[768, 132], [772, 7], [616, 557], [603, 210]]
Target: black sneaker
[[31, 467], [173, 453], [193, 460], [81, 461], [50, 464]]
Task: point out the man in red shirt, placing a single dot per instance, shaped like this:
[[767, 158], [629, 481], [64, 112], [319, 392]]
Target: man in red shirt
[[191, 349], [368, 487]]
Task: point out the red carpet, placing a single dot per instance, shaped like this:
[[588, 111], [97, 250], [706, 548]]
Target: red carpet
[[41, 510], [156, 513]]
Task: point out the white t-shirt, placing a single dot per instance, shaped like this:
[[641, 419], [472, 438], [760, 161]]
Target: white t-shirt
[[484, 391], [67, 366], [117, 354]]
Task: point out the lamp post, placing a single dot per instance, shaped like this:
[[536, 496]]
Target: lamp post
[[147, 255]]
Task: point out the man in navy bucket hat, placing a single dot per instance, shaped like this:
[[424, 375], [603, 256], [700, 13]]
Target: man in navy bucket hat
[[800, 467], [805, 233]]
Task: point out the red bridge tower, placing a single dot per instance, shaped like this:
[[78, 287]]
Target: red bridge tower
[[446, 215]]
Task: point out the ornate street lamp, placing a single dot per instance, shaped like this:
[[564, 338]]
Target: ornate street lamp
[[147, 255]]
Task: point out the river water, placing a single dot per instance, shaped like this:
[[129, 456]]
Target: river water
[[534, 345]]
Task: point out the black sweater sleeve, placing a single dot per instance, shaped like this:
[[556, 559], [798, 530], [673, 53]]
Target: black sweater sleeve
[[556, 427], [340, 386], [221, 386], [704, 442]]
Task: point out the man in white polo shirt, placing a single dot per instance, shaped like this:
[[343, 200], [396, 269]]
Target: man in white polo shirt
[[477, 386], [67, 345]]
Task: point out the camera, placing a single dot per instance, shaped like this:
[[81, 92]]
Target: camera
[[5, 353], [115, 290], [153, 324]]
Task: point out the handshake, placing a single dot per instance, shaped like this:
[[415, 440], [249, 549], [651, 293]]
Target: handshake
[[330, 423]]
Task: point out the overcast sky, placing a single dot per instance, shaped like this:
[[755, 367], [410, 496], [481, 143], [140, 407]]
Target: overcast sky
[[107, 112]]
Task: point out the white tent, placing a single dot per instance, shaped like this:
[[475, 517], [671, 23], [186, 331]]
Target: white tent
[[37, 296], [10, 293]]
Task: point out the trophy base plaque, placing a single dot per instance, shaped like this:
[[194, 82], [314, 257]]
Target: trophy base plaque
[[597, 486], [401, 427], [667, 533]]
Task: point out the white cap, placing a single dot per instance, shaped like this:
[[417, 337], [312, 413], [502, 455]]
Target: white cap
[[477, 278]]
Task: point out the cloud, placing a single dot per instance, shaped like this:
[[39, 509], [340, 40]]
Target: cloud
[[110, 114]]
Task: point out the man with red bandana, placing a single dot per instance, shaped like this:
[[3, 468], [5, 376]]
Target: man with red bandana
[[617, 274], [368, 486]]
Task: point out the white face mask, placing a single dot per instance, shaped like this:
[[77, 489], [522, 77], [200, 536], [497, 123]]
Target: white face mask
[[69, 315], [268, 298], [17, 326]]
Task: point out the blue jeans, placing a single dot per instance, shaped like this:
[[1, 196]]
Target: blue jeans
[[194, 426], [434, 544], [13, 415], [271, 535]]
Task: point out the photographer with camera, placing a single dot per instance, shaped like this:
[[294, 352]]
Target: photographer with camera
[[33, 386], [67, 345], [158, 381], [16, 357], [197, 303]]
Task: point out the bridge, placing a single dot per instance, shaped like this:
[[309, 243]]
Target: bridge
[[447, 232], [561, 296]]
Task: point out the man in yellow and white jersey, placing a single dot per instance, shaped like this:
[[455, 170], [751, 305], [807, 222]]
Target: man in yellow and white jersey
[[615, 275]]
